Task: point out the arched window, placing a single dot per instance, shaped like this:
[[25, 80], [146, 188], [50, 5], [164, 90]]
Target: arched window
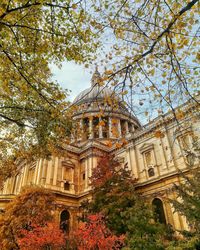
[[159, 211], [64, 221]]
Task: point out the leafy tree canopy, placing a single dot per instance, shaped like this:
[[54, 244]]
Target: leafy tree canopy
[[46, 237], [94, 234], [151, 51], [34, 116], [32, 207], [126, 212], [152, 59]]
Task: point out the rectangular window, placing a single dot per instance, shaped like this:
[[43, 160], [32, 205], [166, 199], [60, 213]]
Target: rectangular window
[[148, 158], [66, 186]]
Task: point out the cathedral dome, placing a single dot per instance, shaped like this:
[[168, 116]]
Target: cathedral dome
[[101, 114], [95, 92]]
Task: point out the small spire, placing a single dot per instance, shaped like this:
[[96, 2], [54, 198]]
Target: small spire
[[96, 77]]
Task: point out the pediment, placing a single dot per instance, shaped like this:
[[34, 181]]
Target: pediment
[[146, 147], [183, 130], [67, 164]]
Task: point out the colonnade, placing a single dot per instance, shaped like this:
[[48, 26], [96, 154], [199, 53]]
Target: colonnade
[[50, 173], [108, 127]]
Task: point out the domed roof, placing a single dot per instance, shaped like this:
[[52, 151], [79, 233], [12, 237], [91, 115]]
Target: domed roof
[[97, 97], [95, 92]]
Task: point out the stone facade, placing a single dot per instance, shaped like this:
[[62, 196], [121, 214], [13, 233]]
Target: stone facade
[[153, 160]]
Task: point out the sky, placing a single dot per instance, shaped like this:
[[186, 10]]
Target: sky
[[72, 77], [77, 78]]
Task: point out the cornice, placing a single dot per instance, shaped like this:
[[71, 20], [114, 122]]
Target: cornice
[[160, 122]]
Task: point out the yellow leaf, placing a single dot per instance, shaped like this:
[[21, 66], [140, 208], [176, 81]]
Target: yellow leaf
[[180, 114], [125, 92], [102, 123], [152, 72], [109, 144], [159, 134], [198, 56], [74, 6], [114, 121], [108, 72], [118, 145]]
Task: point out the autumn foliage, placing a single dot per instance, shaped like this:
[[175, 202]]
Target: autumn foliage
[[42, 237], [94, 234], [106, 168], [32, 207], [125, 212]]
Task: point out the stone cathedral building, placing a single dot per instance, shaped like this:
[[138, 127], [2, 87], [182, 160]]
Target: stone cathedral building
[[153, 160]]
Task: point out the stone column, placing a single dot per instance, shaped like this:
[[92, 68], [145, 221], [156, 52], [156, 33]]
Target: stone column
[[39, 163], [129, 160], [119, 129], [177, 219], [170, 153], [20, 182], [90, 167], [91, 134], [72, 180], [86, 174], [44, 171], [5, 187], [126, 127], [135, 163], [100, 128], [14, 184], [132, 128], [36, 172], [56, 171], [49, 169], [25, 175], [81, 129], [62, 176], [163, 156], [110, 127]]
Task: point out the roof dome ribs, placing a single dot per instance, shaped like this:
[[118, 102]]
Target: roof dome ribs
[[97, 99]]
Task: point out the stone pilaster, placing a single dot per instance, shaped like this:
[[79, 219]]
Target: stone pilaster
[[119, 129], [55, 171], [100, 128], [126, 128], [25, 175], [110, 127], [86, 174], [132, 128], [49, 169], [81, 129], [91, 133]]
